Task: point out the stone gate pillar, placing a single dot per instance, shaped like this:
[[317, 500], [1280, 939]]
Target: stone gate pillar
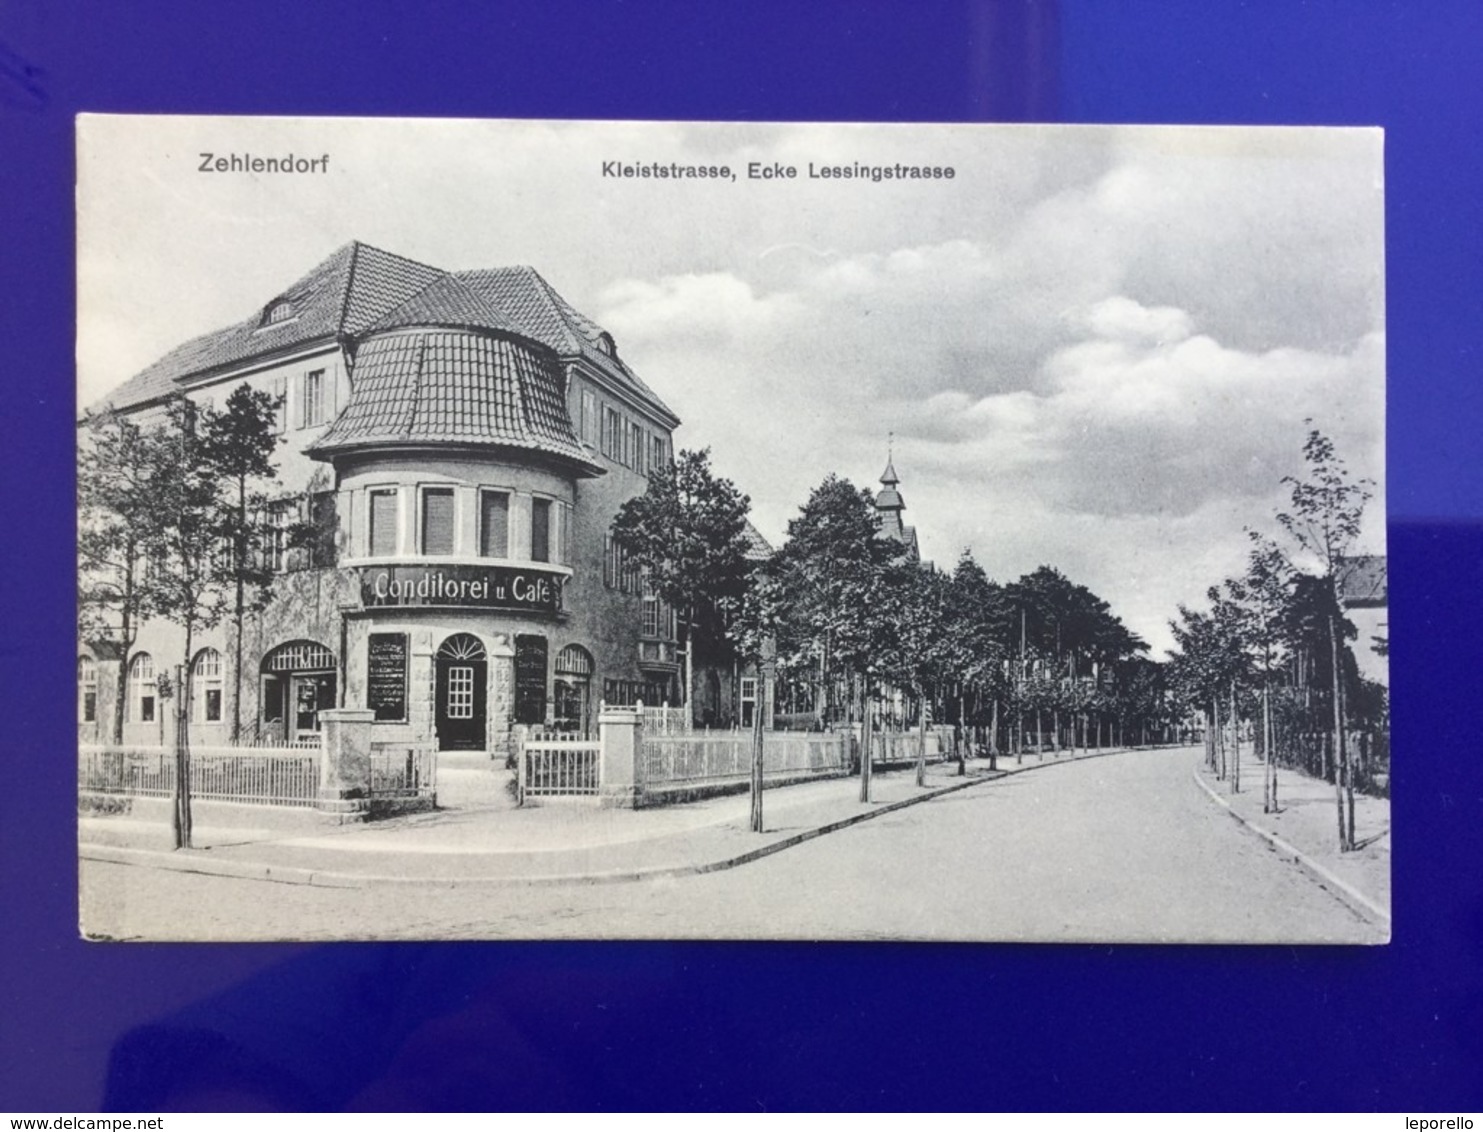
[[345, 762], [620, 762]]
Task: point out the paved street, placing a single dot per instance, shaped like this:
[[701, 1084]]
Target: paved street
[[1122, 848]]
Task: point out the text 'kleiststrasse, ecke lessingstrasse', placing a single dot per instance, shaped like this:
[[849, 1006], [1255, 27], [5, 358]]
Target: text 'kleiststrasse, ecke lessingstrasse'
[[777, 171]]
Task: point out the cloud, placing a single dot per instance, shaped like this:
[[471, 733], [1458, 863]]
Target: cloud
[[1095, 347]]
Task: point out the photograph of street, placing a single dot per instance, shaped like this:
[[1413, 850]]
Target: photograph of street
[[525, 530]]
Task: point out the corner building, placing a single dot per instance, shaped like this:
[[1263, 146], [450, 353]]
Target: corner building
[[459, 443]]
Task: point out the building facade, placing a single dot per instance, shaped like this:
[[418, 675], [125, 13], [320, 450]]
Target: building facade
[[459, 442]]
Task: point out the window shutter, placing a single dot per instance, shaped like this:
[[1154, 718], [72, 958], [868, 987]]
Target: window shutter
[[494, 524], [540, 530], [383, 524], [437, 521]]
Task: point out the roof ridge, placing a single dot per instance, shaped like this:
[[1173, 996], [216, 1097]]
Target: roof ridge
[[355, 246], [417, 385]]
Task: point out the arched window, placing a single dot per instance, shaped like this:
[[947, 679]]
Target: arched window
[[206, 686], [462, 646], [87, 690], [574, 660], [142, 689]]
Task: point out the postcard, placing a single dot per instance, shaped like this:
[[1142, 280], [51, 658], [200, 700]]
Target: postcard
[[611, 530]]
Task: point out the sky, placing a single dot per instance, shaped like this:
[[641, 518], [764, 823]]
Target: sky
[[1093, 348]]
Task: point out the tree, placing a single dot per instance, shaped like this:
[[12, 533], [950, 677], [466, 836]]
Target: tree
[[687, 534], [924, 654], [118, 533], [1264, 594], [238, 445], [752, 628], [978, 642], [1327, 508], [832, 571], [1206, 662], [188, 575]]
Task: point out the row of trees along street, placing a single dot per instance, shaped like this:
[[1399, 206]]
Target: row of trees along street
[[1271, 657], [171, 526], [841, 618]]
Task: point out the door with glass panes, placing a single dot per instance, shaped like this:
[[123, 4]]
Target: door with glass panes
[[462, 673]]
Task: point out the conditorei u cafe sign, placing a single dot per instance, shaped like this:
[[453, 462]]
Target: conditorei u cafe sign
[[512, 589]]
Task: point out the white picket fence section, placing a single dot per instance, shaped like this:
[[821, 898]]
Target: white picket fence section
[[709, 757]]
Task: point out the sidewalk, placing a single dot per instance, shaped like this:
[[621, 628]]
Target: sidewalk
[[561, 842], [1305, 827]]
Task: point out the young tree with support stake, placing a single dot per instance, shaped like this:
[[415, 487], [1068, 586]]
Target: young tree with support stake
[[1324, 520], [187, 578], [1264, 594], [753, 629]]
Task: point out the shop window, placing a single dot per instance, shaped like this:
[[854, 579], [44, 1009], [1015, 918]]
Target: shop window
[[142, 689], [494, 524], [206, 686], [87, 690], [540, 530], [437, 520], [298, 682], [382, 540]]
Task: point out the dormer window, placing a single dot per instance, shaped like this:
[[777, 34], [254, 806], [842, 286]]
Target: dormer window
[[280, 310], [606, 344]]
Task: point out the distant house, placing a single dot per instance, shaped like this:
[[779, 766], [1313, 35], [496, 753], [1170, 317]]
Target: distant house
[[1364, 592]]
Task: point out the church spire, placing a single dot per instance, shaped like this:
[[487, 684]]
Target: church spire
[[889, 477]]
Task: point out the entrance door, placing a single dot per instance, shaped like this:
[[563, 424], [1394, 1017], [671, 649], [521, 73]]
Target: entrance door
[[312, 693], [462, 672]]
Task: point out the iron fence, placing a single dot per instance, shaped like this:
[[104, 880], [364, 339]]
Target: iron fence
[[265, 776], [556, 768], [403, 772]]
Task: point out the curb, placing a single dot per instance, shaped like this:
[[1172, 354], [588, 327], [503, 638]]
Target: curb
[[193, 862], [1346, 892]]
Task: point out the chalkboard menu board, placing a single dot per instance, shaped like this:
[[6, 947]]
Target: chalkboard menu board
[[530, 678], [386, 676]]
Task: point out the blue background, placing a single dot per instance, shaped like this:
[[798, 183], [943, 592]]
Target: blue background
[[764, 1025]]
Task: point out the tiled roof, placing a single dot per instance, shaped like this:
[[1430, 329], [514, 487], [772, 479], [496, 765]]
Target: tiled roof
[[446, 301], [758, 548], [1364, 580], [545, 316], [360, 289], [344, 294], [454, 387]]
